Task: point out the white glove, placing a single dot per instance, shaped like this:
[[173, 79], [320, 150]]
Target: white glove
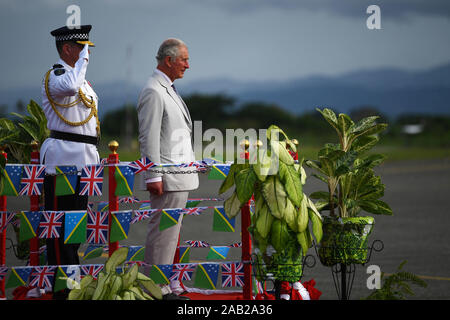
[[84, 54]]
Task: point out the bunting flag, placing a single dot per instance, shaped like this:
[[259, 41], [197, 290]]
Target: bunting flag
[[131, 199], [75, 227], [124, 177], [3, 272], [184, 252], [120, 225], [103, 206], [10, 182], [29, 224], [32, 180], [141, 165], [5, 219], [219, 171], [93, 251], [221, 222], [136, 253], [193, 211], [97, 227], [233, 274], [169, 218], [192, 203], [206, 276], [91, 269], [64, 272], [182, 271], [197, 243], [50, 225], [236, 245], [91, 180], [42, 277], [217, 252], [66, 180], [140, 215], [161, 273], [18, 277]]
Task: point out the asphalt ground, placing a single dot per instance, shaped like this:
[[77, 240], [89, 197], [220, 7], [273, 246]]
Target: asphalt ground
[[418, 232]]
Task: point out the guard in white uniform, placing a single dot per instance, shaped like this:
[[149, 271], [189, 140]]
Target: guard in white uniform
[[70, 106]]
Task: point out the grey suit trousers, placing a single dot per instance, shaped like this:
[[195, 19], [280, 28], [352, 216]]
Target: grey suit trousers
[[160, 246]]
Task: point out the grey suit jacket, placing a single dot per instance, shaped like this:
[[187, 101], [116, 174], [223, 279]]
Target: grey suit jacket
[[165, 132]]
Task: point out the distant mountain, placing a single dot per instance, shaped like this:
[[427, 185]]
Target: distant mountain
[[392, 91]]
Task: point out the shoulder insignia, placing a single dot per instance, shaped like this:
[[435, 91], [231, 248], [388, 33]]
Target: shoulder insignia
[[58, 66], [59, 72]]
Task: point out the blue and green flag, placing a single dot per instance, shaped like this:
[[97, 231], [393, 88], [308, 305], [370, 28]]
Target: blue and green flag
[[219, 171], [93, 251], [217, 252], [120, 225], [161, 273], [18, 277], [66, 180], [169, 218], [184, 254], [136, 253], [10, 182], [206, 276], [124, 177], [75, 226], [29, 224], [221, 222]]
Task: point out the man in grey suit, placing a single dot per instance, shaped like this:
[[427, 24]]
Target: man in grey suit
[[165, 136]]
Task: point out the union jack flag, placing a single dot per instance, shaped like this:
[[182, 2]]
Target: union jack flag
[[141, 165], [50, 225], [3, 272], [97, 227], [5, 218], [193, 211], [197, 243], [233, 274], [91, 180], [128, 200], [236, 245], [42, 277], [32, 180], [92, 269], [182, 271], [140, 215]]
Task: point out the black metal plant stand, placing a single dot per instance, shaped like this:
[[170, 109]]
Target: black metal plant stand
[[344, 272]]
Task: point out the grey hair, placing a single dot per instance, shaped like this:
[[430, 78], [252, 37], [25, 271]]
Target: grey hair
[[169, 48]]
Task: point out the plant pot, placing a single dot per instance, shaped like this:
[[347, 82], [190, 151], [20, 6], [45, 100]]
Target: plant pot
[[281, 266], [345, 240]]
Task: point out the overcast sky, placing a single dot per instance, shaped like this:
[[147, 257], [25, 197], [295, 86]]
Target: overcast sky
[[237, 39]]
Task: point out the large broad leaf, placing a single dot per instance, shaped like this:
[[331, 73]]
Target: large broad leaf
[[375, 206], [281, 152], [305, 241], [263, 167], [229, 180], [292, 183], [302, 217], [279, 235], [291, 215], [364, 124], [264, 221], [330, 117], [275, 196], [316, 225], [364, 143], [345, 124], [245, 184], [232, 206]]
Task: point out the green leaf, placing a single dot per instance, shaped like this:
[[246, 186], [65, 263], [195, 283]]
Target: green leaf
[[232, 205], [117, 258], [302, 217], [304, 240], [245, 184], [275, 196], [292, 183], [264, 221], [229, 180], [316, 225], [263, 167], [375, 206], [330, 117], [281, 152], [345, 124]]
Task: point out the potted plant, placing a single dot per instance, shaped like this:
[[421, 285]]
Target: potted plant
[[16, 138], [352, 187], [280, 228]]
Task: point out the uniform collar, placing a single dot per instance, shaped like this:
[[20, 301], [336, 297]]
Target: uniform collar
[[65, 65]]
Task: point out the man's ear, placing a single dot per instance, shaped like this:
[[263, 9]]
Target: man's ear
[[168, 61], [65, 49]]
